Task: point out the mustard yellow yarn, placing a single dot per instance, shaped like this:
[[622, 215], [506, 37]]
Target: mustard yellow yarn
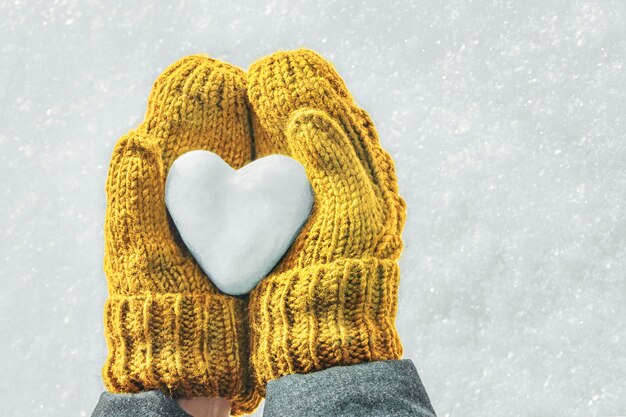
[[333, 298], [167, 327]]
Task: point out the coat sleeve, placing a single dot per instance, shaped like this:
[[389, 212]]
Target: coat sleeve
[[375, 389], [143, 404]]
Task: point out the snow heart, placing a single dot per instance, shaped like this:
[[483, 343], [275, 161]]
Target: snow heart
[[237, 223]]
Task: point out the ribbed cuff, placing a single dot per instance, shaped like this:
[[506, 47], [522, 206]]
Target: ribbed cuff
[[187, 345], [312, 318]]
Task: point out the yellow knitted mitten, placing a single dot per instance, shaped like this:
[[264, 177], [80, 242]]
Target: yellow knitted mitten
[[332, 300], [167, 327]]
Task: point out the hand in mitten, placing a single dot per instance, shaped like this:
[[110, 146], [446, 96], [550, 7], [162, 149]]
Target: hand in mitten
[[332, 300], [167, 327]]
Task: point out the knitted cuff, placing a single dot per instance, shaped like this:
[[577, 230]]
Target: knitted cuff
[[312, 318], [186, 345]]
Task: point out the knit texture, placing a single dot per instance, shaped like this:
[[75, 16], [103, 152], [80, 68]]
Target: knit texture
[[166, 326], [332, 300]]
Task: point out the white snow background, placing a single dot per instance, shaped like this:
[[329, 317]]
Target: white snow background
[[506, 122]]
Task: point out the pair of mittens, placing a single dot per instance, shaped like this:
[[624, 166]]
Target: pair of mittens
[[332, 299]]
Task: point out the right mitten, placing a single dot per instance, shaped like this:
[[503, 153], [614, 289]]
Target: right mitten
[[332, 300]]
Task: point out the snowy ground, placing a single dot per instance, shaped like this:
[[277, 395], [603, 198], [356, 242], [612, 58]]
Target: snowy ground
[[505, 118]]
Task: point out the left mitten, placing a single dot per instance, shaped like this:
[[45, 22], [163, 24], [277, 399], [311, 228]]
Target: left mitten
[[166, 325]]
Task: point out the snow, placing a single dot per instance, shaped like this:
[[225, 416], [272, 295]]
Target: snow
[[506, 121], [237, 224]]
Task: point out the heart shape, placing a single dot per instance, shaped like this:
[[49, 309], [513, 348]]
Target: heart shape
[[237, 223]]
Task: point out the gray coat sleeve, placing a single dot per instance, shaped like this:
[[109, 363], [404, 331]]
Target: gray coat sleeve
[[375, 389], [143, 404]]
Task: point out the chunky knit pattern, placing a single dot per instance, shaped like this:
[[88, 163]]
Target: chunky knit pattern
[[333, 298], [167, 327]]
